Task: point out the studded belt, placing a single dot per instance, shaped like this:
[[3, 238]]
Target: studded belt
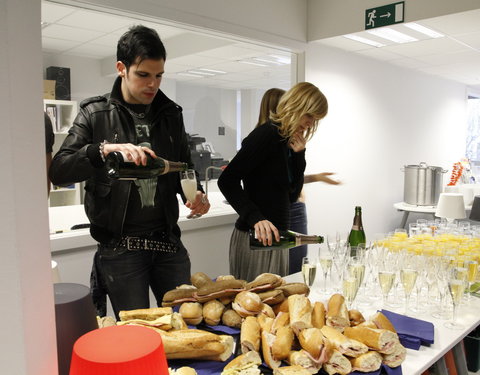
[[139, 243]]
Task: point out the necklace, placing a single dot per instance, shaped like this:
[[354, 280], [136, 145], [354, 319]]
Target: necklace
[[140, 115]]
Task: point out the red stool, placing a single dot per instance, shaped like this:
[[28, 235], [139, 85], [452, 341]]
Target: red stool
[[119, 350]]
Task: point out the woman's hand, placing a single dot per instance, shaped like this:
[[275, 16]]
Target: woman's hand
[[265, 232], [297, 142], [136, 154]]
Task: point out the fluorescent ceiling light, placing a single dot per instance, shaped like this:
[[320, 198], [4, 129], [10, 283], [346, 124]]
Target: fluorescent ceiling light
[[251, 63], [189, 75], [392, 35], [286, 60], [364, 40], [268, 61], [212, 71], [201, 72], [424, 30]]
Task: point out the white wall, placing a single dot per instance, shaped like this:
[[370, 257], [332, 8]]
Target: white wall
[[327, 18], [380, 118]]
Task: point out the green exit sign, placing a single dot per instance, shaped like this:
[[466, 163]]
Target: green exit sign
[[384, 15]]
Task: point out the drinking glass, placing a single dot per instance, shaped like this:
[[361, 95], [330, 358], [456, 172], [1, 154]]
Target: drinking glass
[[472, 269], [408, 277], [356, 267], [386, 278], [350, 285], [309, 270], [456, 287], [188, 181], [325, 259]]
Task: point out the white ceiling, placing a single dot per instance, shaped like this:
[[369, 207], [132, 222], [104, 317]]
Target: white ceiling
[[80, 32], [456, 56]]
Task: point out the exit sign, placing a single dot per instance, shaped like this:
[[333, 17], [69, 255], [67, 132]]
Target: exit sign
[[384, 15]]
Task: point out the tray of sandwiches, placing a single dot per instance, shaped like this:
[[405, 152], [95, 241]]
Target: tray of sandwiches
[[228, 326]]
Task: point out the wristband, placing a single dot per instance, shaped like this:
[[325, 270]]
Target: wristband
[[101, 147]]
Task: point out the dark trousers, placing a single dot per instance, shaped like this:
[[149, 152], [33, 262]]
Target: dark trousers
[[128, 275], [298, 223]]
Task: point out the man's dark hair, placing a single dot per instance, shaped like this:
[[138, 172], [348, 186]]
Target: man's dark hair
[[141, 43]]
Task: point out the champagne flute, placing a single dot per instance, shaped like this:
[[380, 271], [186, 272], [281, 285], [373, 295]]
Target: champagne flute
[[472, 269], [356, 266], [386, 277], [350, 286], [309, 270], [188, 180], [456, 287], [408, 276], [325, 261]]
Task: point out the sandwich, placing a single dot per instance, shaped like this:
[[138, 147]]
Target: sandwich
[[212, 312], [355, 318], [230, 318], [382, 322], [200, 279], [368, 362], [264, 281], [250, 335], [318, 315], [244, 364], [342, 343], [282, 344], [304, 359], [281, 307], [267, 342], [178, 322], [291, 370], [192, 312], [225, 277], [247, 303], [164, 322], [294, 288], [300, 310], [178, 296], [337, 312], [272, 297], [380, 340], [265, 322], [196, 344], [281, 320], [395, 358], [145, 314], [267, 310], [106, 321], [337, 364], [316, 344], [185, 370], [219, 289]]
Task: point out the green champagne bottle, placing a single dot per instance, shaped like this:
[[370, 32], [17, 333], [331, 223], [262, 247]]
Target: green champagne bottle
[[357, 235], [288, 239], [119, 167]]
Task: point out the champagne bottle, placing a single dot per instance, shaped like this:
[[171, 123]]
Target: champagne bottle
[[288, 239], [119, 167], [357, 235]]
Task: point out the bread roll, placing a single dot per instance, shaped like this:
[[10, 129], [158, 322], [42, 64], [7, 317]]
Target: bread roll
[[247, 303], [192, 312], [382, 322], [185, 370], [300, 311], [250, 335], [396, 358], [318, 315], [281, 320], [342, 343], [281, 307], [219, 290], [200, 279], [145, 314], [271, 297], [178, 296], [337, 312], [230, 318], [178, 322], [368, 362], [283, 343], [244, 364], [264, 281], [381, 340], [355, 318], [291, 370], [304, 359], [267, 310], [212, 312], [267, 342], [294, 288], [337, 364], [316, 344]]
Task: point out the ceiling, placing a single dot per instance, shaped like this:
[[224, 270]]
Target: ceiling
[[66, 32], [456, 56]]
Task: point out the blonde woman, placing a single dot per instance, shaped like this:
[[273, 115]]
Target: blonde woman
[[266, 176]]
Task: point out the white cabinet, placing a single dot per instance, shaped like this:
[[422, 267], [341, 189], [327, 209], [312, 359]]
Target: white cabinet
[[62, 113]]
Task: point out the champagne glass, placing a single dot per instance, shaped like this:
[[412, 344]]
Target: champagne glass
[[325, 260], [456, 287], [356, 267], [472, 270], [350, 286], [188, 180], [309, 270], [386, 278], [408, 277]]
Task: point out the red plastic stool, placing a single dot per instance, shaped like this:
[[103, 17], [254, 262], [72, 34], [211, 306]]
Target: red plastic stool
[[119, 350]]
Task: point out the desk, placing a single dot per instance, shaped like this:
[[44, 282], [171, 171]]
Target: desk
[[407, 208], [418, 361]]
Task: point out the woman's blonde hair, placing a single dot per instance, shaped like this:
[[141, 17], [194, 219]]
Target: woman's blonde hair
[[302, 99], [269, 104]]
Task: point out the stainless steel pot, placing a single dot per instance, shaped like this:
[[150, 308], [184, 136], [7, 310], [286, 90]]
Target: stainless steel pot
[[422, 184]]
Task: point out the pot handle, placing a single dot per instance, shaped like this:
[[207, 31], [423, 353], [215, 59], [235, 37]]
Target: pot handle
[[423, 164]]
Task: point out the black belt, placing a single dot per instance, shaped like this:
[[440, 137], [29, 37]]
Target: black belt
[[139, 243]]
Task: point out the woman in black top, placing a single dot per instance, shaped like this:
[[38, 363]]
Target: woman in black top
[[270, 165]]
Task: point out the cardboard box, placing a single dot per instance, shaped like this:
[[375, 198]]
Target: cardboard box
[[48, 89]]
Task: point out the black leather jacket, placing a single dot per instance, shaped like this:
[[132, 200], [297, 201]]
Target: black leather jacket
[[105, 118]]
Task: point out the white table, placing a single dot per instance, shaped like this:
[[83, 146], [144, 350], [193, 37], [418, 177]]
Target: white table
[[418, 361], [407, 208]]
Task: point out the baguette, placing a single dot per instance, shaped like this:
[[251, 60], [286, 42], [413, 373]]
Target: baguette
[[300, 310], [291, 370], [337, 364], [337, 312], [380, 340], [145, 314], [267, 342], [294, 288], [281, 320], [283, 343], [164, 322], [244, 364], [316, 344], [197, 344], [355, 318], [304, 359], [250, 335], [367, 362], [318, 315], [342, 343], [264, 281], [396, 358], [382, 322], [218, 290]]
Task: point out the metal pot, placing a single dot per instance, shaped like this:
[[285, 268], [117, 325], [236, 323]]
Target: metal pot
[[423, 184]]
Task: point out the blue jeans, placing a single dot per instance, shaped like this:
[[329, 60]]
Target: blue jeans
[[128, 276], [298, 223]]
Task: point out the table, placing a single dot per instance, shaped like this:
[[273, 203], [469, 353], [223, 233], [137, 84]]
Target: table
[[407, 208], [418, 361]]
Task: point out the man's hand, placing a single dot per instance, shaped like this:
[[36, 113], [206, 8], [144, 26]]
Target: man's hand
[[200, 205], [136, 154], [265, 232], [297, 142]]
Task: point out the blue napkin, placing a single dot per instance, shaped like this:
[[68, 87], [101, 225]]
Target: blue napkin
[[411, 330]]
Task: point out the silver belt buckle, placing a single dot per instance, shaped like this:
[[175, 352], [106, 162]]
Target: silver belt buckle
[[128, 243]]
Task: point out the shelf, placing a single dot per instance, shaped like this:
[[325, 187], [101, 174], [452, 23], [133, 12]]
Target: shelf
[[62, 113]]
